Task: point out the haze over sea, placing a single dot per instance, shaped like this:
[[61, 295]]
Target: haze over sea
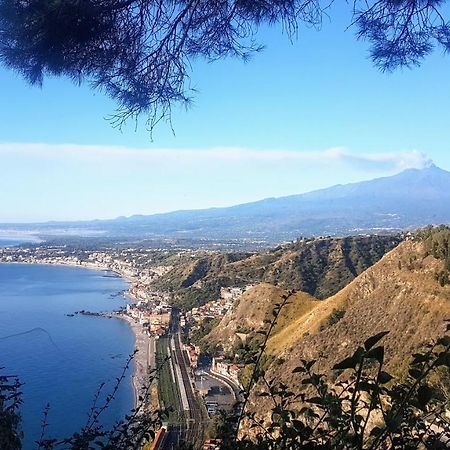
[[12, 241], [62, 360]]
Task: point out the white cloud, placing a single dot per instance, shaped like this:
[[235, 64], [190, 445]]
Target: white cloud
[[383, 161], [67, 181]]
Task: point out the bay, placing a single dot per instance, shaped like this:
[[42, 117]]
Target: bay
[[62, 360]]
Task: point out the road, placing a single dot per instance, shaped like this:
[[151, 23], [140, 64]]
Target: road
[[237, 390]]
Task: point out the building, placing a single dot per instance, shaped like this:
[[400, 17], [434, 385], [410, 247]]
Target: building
[[226, 369]]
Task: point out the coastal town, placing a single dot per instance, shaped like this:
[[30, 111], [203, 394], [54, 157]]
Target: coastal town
[[203, 387]]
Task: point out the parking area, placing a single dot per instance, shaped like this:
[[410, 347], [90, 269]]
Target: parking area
[[216, 394]]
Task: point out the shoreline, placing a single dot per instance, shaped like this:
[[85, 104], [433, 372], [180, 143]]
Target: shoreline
[[90, 266], [139, 377]]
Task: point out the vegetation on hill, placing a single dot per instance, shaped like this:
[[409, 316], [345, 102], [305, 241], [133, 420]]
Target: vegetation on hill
[[240, 326], [437, 244], [367, 408], [400, 293], [198, 334], [320, 267], [401, 289]]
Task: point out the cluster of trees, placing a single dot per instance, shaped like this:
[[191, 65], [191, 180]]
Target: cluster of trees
[[202, 330], [437, 244]]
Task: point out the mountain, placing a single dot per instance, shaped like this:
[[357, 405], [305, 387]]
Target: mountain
[[408, 200]]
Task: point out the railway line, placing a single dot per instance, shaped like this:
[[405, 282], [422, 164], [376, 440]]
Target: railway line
[[188, 434]]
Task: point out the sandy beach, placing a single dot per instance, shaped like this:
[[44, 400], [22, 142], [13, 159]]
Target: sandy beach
[[142, 358]]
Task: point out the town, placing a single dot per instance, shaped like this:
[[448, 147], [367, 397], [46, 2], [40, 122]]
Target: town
[[204, 385]]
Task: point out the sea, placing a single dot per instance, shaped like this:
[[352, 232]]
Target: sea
[[63, 360]]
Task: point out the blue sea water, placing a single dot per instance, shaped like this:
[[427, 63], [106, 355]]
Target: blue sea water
[[62, 360]]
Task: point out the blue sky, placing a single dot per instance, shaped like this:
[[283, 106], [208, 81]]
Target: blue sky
[[297, 117]]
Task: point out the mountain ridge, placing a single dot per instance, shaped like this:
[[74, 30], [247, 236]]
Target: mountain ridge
[[433, 169], [408, 200], [400, 293], [320, 267]]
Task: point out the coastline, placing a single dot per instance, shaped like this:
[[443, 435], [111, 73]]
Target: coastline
[[89, 266], [140, 377], [142, 359]]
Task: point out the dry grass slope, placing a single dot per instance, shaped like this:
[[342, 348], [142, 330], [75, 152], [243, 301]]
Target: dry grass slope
[[253, 308], [400, 294], [321, 267]]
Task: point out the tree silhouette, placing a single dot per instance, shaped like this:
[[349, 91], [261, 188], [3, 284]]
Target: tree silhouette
[[10, 402], [139, 51]]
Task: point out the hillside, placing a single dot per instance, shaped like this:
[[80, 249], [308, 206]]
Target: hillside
[[401, 293], [408, 200], [320, 267], [406, 293], [254, 307]]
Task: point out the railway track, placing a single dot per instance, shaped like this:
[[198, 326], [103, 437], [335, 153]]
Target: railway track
[[189, 434]]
